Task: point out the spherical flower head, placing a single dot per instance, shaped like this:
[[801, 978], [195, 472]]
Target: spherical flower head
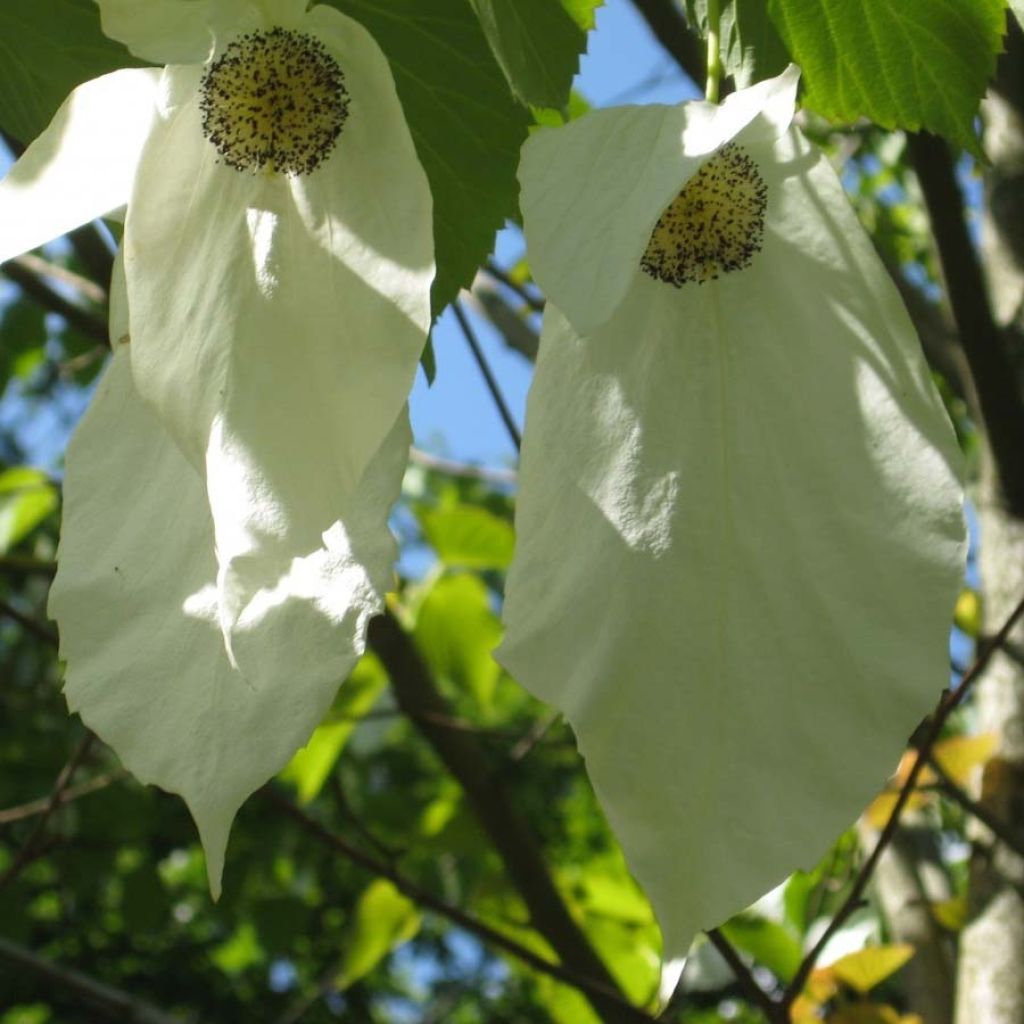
[[274, 101], [739, 530], [277, 267]]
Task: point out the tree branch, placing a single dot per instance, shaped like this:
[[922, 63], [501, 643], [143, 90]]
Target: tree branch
[[491, 381], [756, 995], [20, 272], [930, 732], [665, 19], [1005, 831], [72, 793], [599, 993], [37, 629], [508, 830], [25, 854], [1001, 407], [112, 1003]]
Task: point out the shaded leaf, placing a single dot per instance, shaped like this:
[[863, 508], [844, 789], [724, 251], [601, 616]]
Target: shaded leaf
[[751, 47], [466, 125], [47, 47], [537, 43]]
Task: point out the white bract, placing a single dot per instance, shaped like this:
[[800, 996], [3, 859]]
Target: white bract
[[740, 531], [278, 257]]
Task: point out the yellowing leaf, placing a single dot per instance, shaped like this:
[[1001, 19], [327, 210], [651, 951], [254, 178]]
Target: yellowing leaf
[[959, 756], [871, 966], [880, 809], [967, 614], [869, 1013], [951, 914]]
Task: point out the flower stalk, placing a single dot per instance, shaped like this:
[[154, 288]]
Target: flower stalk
[[714, 79]]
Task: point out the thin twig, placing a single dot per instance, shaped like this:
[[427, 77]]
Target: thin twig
[[536, 733], [98, 997], [931, 732], [454, 914], [37, 629], [72, 793], [20, 565], [754, 993], [25, 854], [466, 470], [489, 378], [1003, 830], [511, 834], [44, 268], [503, 277], [35, 287]]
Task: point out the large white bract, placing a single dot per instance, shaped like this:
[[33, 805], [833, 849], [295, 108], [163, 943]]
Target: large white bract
[[278, 259], [740, 532]]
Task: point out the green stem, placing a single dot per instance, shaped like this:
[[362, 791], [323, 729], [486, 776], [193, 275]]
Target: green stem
[[714, 52]]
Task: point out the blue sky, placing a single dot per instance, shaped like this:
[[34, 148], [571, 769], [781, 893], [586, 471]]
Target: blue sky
[[456, 417]]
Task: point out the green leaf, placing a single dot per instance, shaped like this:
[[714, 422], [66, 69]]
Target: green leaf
[[311, 766], [751, 48], [537, 43], [468, 536], [771, 944], [27, 497], [583, 12], [456, 630], [915, 64], [466, 125], [384, 919], [47, 47]]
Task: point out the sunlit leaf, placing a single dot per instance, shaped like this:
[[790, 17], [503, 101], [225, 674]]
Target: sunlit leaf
[[311, 766], [913, 64], [869, 967], [468, 536], [27, 498], [384, 919]]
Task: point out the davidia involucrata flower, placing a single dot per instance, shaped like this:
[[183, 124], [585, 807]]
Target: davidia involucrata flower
[[740, 533], [225, 537]]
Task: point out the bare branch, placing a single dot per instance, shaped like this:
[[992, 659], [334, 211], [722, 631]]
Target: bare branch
[[509, 831], [930, 733], [72, 793], [25, 854], [1002, 409], [605, 995], [37, 629], [112, 1003], [21, 272], [467, 470], [748, 983]]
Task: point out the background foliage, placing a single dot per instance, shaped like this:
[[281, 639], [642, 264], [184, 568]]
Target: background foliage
[[460, 792]]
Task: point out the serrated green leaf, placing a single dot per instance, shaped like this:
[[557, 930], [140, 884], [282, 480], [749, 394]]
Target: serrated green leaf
[[384, 919], [309, 769], [465, 123], [47, 47], [456, 630], [916, 64], [583, 12], [537, 43], [468, 536], [27, 497], [751, 48]]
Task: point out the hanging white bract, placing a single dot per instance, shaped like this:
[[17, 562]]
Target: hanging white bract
[[278, 256], [740, 532]]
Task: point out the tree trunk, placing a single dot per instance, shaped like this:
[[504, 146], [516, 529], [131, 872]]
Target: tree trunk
[[991, 968]]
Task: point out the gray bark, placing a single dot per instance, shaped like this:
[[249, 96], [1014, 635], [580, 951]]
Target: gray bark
[[990, 983]]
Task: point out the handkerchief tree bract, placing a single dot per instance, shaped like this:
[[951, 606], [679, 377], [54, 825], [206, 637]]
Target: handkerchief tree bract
[[586, 709]]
